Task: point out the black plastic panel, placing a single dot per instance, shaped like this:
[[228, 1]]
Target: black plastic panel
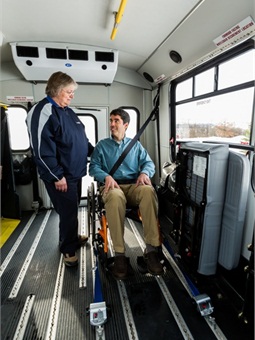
[[56, 53], [78, 55], [104, 56], [27, 51]]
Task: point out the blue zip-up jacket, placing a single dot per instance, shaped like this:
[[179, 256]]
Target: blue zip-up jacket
[[58, 141]]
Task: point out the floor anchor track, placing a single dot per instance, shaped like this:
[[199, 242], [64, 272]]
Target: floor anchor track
[[24, 318], [131, 328], [168, 297], [83, 258], [209, 319], [55, 306], [22, 273], [16, 245], [182, 325]]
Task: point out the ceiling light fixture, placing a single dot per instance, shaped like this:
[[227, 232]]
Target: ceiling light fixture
[[118, 17]]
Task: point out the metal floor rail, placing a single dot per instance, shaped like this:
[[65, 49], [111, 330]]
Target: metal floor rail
[[43, 299]]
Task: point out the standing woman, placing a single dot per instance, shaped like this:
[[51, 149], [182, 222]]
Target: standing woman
[[60, 148]]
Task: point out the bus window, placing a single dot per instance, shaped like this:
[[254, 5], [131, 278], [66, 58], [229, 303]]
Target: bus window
[[238, 70], [204, 82], [89, 122], [134, 121], [225, 118], [184, 90], [18, 134], [222, 103]]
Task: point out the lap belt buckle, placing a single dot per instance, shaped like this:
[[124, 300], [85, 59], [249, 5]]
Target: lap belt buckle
[[98, 313], [203, 304]]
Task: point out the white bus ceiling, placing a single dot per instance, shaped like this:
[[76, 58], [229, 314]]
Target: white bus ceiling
[[146, 34]]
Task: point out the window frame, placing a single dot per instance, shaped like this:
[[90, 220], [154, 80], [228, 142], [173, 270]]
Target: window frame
[[248, 45]]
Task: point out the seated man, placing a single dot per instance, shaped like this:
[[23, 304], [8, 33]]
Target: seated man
[[130, 185]]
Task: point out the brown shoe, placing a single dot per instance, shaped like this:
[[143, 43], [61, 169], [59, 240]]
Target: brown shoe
[[82, 240], [70, 260], [120, 267], [153, 264]]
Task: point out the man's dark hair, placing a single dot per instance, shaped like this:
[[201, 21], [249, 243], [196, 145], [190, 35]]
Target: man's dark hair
[[122, 113]]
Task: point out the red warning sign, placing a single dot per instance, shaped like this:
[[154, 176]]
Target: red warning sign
[[246, 26]]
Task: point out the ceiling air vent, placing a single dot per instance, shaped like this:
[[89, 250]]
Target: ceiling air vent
[[56, 53], [78, 55], [104, 56], [84, 63], [25, 51]]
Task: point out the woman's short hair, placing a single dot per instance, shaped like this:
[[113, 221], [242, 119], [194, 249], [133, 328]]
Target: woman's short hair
[[57, 82]]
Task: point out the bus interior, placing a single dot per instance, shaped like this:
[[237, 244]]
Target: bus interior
[[188, 67]]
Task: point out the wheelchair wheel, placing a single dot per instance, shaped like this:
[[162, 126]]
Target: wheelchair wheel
[[91, 213]]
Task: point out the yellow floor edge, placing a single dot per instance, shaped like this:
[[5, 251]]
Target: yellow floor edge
[[7, 228]]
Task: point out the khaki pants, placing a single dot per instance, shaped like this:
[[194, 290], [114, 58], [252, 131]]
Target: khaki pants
[[115, 202]]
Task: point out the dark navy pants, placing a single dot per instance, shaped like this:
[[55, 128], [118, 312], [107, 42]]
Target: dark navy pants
[[66, 205]]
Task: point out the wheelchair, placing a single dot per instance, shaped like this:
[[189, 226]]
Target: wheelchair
[[95, 214], [98, 227], [97, 222]]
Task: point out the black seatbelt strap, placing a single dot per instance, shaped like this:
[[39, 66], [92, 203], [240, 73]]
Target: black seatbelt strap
[[152, 116]]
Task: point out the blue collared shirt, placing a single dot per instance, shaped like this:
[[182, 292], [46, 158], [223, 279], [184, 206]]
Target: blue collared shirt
[[106, 153]]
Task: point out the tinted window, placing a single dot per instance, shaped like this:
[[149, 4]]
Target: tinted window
[[17, 128]]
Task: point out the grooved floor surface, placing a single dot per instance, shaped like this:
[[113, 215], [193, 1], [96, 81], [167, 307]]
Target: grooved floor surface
[[150, 311]]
